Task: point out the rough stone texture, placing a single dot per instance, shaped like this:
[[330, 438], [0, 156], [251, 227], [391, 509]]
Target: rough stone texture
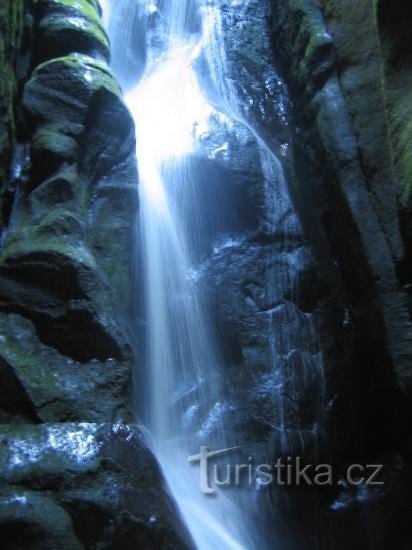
[[43, 386], [314, 321], [395, 41], [54, 266], [334, 73], [257, 90], [76, 201], [68, 182], [11, 45], [259, 275], [66, 26], [85, 485], [350, 189]]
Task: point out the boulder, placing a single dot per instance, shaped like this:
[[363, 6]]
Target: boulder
[[82, 485]]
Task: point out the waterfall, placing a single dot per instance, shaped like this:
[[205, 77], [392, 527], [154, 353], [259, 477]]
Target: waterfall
[[183, 403], [170, 57]]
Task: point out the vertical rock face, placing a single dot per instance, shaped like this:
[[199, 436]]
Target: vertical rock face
[[66, 244], [348, 72], [11, 45], [338, 69], [312, 294], [262, 276], [74, 475]]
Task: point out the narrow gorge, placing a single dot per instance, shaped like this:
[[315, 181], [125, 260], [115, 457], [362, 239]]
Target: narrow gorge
[[205, 247]]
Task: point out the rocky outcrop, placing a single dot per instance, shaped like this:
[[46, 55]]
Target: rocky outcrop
[[65, 249], [80, 486], [333, 63], [310, 293], [74, 474], [304, 262], [258, 273], [349, 186], [41, 385], [73, 206]]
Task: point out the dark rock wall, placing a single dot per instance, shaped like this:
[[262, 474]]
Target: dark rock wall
[[347, 67], [314, 313], [73, 473], [11, 44], [262, 277], [65, 253], [348, 183]]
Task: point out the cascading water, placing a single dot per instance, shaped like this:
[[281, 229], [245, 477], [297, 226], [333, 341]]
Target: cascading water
[[184, 403], [161, 49]]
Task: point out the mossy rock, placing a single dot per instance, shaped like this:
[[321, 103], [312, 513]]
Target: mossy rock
[[60, 221], [87, 8], [69, 26], [399, 115], [69, 301], [60, 188], [97, 480], [18, 247], [54, 141], [60, 90], [63, 100], [39, 384]]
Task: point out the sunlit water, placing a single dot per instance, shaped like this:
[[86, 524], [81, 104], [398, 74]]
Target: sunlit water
[[156, 47], [184, 402]]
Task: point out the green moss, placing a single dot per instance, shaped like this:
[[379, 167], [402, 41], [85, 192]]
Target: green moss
[[400, 129], [396, 81], [95, 73], [28, 366], [82, 6], [57, 25], [19, 246], [59, 221], [50, 139]]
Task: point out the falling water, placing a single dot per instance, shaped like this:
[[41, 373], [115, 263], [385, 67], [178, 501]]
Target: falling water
[[184, 403], [160, 49]]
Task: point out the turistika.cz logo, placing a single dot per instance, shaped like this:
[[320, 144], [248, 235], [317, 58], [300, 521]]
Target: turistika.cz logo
[[285, 472]]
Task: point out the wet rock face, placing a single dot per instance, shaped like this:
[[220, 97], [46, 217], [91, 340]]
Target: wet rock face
[[83, 486], [332, 59], [310, 293], [306, 375], [348, 179], [259, 275], [42, 386], [68, 191], [259, 86], [254, 84], [65, 254], [65, 26]]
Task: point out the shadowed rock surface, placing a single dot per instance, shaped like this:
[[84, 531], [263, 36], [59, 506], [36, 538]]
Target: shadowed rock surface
[[83, 486], [73, 473], [322, 370]]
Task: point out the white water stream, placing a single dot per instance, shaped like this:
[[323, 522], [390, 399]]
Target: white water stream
[[184, 400]]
